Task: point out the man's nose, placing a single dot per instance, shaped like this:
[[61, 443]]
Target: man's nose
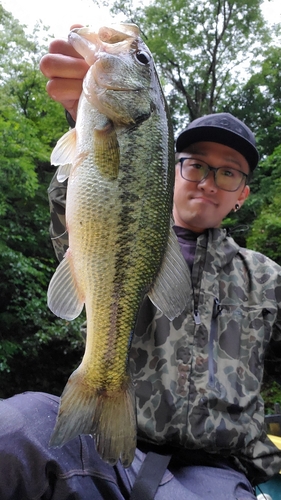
[[208, 183]]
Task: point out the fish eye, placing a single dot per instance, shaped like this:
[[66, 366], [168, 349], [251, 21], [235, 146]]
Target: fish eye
[[143, 57]]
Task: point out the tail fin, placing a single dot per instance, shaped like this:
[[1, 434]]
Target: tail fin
[[109, 418]]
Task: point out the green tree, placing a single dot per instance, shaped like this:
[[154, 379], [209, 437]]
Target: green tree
[[258, 102], [257, 224], [30, 123], [198, 47], [265, 233]]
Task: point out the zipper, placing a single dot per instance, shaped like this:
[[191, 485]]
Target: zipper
[[196, 314], [217, 308]]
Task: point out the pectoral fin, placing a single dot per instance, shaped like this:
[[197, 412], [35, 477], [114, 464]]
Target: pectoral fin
[[106, 153], [64, 151], [171, 290], [64, 172], [64, 298]]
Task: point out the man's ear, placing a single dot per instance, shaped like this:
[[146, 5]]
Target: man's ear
[[244, 195]]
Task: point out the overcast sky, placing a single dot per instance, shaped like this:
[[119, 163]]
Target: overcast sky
[[61, 14]]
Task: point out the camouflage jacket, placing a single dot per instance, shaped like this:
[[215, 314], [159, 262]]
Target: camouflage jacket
[[198, 378]]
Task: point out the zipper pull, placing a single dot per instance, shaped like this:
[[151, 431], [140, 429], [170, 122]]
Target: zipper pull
[[217, 308], [196, 316]]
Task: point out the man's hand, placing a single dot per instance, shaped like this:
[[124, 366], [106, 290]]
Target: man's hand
[[65, 69]]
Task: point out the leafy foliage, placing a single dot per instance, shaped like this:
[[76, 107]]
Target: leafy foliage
[[258, 101], [265, 234], [37, 350], [199, 48]]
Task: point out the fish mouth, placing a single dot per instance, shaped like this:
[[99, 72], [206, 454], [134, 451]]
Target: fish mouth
[[88, 47], [90, 43], [95, 46]]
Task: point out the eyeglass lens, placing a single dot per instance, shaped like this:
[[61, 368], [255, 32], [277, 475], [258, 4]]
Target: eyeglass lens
[[226, 178]]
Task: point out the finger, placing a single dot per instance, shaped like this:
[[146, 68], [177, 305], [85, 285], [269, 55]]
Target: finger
[[63, 66], [62, 90], [60, 46], [66, 92], [71, 107]]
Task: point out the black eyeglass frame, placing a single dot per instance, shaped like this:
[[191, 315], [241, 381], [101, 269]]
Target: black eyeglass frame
[[212, 169]]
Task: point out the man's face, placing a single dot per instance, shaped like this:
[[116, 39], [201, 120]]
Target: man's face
[[202, 205]]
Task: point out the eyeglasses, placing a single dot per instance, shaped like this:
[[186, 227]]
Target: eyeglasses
[[226, 178]]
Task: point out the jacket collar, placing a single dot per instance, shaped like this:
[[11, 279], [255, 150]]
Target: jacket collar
[[221, 247]]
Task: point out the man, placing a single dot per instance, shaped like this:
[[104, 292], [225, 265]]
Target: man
[[200, 414]]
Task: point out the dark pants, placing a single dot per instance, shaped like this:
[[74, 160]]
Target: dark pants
[[30, 470]]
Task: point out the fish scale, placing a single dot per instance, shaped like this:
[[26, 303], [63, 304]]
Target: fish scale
[[119, 160]]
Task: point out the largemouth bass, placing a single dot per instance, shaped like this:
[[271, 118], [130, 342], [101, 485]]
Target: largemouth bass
[[120, 164]]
